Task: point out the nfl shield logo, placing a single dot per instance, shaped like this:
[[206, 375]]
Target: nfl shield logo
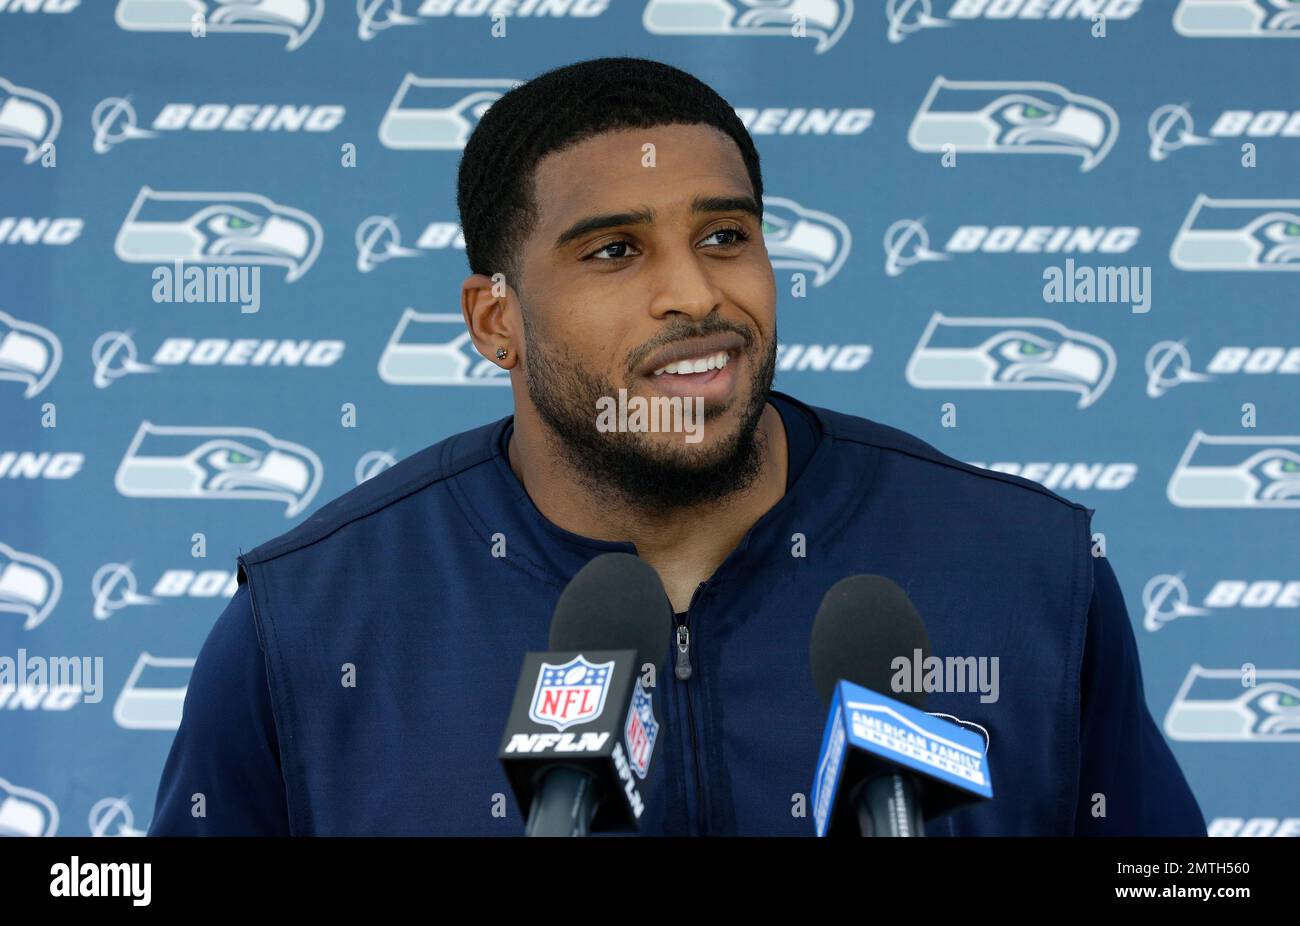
[[570, 693], [640, 731]]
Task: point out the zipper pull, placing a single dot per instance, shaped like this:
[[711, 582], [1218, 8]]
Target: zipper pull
[[683, 668]]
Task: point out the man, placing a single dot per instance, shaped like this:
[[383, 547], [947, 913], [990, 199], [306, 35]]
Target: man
[[359, 680]]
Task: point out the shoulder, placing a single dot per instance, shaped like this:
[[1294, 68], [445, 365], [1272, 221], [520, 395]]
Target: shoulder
[[386, 492], [919, 462]]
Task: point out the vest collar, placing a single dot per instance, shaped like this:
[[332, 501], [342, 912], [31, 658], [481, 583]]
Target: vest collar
[[811, 506]]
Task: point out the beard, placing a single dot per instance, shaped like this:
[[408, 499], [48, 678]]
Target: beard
[[639, 472]]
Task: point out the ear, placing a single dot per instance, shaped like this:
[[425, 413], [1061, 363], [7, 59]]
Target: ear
[[491, 313]]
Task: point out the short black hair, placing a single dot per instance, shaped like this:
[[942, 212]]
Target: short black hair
[[560, 108]]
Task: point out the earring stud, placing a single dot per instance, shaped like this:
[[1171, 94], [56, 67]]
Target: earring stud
[[501, 353]]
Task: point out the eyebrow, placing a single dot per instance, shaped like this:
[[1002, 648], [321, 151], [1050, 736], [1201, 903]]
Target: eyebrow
[[646, 215]]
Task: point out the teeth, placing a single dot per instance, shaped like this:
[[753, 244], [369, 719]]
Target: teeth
[[696, 364]]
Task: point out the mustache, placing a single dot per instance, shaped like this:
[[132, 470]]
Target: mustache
[[687, 333]]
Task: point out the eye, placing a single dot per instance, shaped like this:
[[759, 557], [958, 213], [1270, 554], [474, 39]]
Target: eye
[[1283, 232], [1280, 468], [1277, 701], [230, 457], [1019, 348], [739, 235], [231, 224], [613, 244], [1028, 113]]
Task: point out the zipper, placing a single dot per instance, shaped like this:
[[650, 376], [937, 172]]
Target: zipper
[[683, 671], [683, 667]]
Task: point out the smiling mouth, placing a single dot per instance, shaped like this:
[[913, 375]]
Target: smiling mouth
[[711, 375], [690, 366]]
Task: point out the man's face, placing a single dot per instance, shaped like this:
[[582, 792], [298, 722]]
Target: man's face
[[633, 274]]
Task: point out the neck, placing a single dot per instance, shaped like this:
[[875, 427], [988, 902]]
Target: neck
[[704, 534]]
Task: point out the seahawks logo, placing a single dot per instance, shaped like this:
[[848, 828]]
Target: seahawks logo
[[1213, 705], [1237, 471], [1238, 18], [1239, 234], [438, 113], [29, 586], [294, 19], [25, 812], [29, 354], [824, 20], [798, 238], [1011, 353], [218, 228], [29, 120], [218, 463], [434, 349], [1013, 117]]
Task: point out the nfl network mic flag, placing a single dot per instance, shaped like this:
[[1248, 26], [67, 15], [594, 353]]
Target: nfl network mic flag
[[588, 710]]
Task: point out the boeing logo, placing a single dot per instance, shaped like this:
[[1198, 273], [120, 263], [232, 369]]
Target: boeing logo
[[1070, 477], [906, 17], [1165, 598], [816, 121], [43, 464], [114, 120], [379, 240], [907, 243], [376, 16], [1168, 364], [112, 816], [113, 588], [822, 358], [372, 463], [42, 230], [1170, 127], [114, 354]]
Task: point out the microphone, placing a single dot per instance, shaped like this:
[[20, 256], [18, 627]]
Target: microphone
[[886, 767], [582, 728]]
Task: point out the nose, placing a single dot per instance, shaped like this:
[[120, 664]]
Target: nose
[[683, 286]]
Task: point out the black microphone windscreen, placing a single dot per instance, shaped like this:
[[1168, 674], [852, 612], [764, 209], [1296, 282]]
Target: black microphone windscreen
[[616, 601], [863, 624]]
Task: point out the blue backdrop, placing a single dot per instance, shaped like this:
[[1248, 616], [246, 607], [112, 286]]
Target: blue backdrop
[[944, 180]]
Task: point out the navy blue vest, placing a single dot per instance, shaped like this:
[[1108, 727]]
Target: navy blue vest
[[398, 578]]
